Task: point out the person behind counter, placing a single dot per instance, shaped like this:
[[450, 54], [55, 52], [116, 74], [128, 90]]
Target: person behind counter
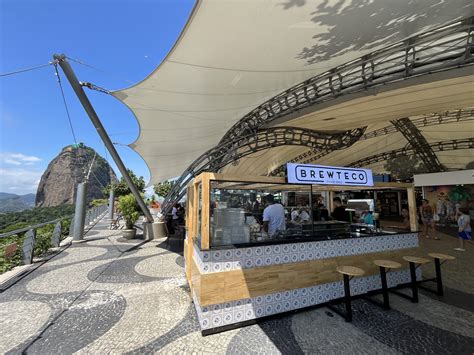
[[367, 218], [273, 216], [320, 201], [339, 213], [299, 215], [320, 212], [406, 221]]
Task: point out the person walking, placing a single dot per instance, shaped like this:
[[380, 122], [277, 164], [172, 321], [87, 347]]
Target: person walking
[[174, 217], [426, 212], [464, 228]]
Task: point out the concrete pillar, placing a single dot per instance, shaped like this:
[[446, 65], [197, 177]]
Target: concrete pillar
[[148, 231], [80, 213], [111, 203], [159, 230]]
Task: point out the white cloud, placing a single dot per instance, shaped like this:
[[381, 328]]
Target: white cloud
[[19, 181], [18, 159]]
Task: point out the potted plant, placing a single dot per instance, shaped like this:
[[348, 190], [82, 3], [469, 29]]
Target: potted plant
[[130, 211]]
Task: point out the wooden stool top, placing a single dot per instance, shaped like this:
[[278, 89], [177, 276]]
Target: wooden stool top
[[350, 270], [416, 260], [441, 256], [388, 264]]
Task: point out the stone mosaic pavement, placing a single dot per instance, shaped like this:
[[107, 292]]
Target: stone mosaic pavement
[[110, 295]]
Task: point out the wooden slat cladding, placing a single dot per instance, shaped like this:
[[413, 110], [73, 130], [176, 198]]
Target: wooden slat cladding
[[195, 278], [234, 285], [412, 209], [205, 211]]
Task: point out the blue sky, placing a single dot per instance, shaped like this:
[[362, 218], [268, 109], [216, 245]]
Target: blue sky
[[126, 40]]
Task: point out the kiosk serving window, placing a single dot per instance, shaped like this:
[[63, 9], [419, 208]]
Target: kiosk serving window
[[242, 213], [227, 210]]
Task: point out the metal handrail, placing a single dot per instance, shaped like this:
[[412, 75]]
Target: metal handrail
[[92, 215], [36, 226]]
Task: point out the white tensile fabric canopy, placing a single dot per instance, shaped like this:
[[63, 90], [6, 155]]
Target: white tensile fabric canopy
[[234, 55]]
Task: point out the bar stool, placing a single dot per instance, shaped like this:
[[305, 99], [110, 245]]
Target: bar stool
[[415, 262], [439, 259], [383, 266], [348, 272]]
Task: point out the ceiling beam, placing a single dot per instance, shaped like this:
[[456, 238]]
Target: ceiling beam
[[434, 119], [419, 144], [448, 145], [229, 152]]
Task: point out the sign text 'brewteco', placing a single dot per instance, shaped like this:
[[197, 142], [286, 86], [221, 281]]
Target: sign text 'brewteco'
[[328, 175]]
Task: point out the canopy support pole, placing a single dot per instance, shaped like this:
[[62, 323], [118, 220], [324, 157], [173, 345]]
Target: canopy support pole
[[67, 69]]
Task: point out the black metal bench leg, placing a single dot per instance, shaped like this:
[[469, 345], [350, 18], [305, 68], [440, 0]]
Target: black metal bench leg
[[383, 277], [414, 286], [347, 298], [439, 281]]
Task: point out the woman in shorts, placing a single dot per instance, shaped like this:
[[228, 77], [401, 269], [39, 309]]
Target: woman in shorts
[[464, 228], [426, 213]]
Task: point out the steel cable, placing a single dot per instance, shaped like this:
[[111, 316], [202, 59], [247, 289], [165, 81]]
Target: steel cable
[[26, 69]]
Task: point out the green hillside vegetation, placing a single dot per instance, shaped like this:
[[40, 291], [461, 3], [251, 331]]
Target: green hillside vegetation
[[17, 220]]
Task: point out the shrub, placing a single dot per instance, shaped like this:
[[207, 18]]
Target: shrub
[[43, 240], [16, 259], [128, 206], [65, 226], [99, 202]]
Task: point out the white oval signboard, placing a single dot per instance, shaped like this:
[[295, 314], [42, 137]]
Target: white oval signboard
[[328, 175]]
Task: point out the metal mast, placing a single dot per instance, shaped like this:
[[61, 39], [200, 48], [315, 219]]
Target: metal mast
[[66, 67]]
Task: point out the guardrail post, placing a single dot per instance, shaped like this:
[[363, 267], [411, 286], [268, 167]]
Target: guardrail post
[[56, 236], [71, 227], [111, 203], [80, 213], [29, 246]]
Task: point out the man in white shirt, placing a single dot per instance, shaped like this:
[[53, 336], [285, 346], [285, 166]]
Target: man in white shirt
[[273, 216]]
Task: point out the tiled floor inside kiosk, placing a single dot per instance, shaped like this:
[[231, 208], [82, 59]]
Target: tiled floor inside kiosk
[[109, 295]]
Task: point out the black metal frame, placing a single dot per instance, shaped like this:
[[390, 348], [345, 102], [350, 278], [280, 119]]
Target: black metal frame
[[413, 285], [455, 144], [438, 279], [419, 144], [347, 315], [384, 290], [434, 119], [223, 154]]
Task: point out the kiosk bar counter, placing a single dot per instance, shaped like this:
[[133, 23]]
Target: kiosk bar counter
[[238, 273]]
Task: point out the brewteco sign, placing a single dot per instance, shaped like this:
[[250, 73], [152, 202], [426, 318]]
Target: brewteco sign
[[328, 175]]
